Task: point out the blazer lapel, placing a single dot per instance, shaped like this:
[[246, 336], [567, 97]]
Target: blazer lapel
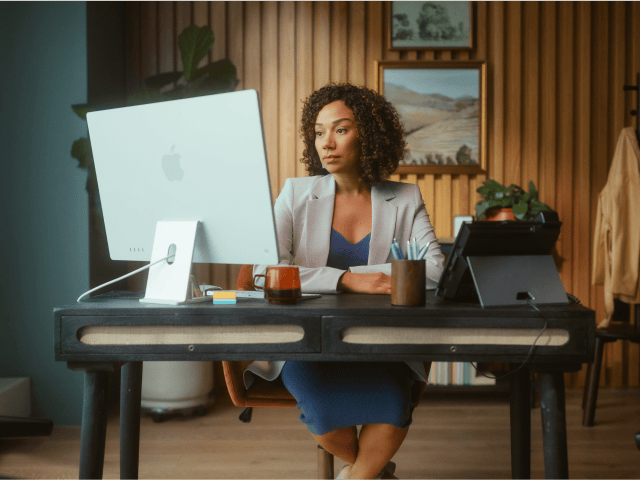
[[319, 219], [384, 223]]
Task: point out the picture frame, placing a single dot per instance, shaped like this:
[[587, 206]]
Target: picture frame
[[443, 107], [430, 25]]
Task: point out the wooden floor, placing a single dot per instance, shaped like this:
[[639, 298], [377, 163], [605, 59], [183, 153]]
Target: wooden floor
[[452, 436]]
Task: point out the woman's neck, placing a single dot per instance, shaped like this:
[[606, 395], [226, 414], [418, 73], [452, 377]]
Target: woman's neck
[[351, 185]]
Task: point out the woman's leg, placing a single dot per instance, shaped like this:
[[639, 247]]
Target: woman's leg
[[367, 455], [376, 395], [343, 443], [378, 443]]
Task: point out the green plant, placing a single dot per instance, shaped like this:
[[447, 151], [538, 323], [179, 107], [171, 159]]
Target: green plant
[[216, 77], [525, 205]]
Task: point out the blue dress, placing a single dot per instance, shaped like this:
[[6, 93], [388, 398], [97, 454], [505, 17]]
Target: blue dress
[[333, 395]]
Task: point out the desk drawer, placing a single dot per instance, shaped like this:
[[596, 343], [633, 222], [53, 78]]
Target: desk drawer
[[440, 338], [161, 334]]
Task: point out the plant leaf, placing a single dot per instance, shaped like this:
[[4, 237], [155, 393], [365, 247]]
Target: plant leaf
[[490, 188], [218, 76], [194, 42], [146, 96], [80, 150], [520, 210], [162, 79], [81, 109], [506, 202], [482, 207]]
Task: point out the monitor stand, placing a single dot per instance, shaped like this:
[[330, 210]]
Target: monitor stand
[[516, 279], [170, 282]]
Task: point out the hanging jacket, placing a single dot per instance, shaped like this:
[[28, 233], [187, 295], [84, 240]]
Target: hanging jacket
[[616, 247]]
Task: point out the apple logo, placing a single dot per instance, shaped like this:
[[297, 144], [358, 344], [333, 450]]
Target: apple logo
[[171, 166]]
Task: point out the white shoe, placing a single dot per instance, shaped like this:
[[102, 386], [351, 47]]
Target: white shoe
[[345, 465]]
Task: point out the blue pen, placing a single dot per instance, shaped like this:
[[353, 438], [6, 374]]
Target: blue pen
[[393, 251], [423, 251], [397, 251]]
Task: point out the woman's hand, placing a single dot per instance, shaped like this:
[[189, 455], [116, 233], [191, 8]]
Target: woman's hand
[[365, 283]]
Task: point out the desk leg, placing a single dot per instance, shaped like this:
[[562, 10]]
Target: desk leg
[[554, 425], [130, 392], [94, 424], [520, 400]]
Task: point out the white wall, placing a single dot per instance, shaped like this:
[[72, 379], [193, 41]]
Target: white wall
[[44, 259]]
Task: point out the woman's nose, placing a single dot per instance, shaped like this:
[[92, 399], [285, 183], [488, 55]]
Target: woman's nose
[[328, 141]]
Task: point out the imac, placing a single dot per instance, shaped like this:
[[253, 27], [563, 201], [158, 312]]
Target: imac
[[187, 179], [504, 263]]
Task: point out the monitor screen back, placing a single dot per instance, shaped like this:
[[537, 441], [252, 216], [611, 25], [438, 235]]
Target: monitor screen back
[[200, 159]]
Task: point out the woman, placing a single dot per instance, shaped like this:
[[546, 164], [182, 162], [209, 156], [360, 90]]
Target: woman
[[338, 225]]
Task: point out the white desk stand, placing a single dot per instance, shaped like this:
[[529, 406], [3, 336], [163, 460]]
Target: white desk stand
[[169, 281]]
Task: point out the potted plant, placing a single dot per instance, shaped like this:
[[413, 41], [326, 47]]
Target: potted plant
[[508, 203], [216, 77]]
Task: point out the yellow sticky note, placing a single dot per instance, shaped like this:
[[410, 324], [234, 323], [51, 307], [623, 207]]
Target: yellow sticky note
[[220, 295]]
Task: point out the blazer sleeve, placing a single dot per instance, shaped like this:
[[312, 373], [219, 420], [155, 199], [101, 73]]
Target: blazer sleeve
[[312, 280], [424, 233]]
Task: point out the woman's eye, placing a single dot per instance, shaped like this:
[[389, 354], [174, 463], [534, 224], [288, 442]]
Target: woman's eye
[[318, 134], [342, 130]]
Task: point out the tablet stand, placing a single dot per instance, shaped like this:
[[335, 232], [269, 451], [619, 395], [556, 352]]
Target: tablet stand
[[170, 282], [515, 279]]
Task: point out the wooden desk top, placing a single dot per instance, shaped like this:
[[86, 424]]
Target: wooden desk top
[[335, 327]]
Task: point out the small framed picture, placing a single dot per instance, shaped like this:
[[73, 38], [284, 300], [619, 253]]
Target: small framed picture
[[442, 106], [430, 25]]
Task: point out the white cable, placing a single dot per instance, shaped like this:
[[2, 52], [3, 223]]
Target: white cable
[[124, 276]]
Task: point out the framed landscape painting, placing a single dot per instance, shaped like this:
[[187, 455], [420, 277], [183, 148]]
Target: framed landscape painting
[[442, 106], [430, 25]]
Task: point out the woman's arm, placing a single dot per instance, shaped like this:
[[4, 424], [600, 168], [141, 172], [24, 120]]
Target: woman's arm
[[365, 283], [312, 280]]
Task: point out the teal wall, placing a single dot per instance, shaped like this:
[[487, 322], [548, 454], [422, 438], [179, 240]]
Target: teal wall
[[44, 260]]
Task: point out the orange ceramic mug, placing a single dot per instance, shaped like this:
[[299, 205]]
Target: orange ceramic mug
[[281, 285]]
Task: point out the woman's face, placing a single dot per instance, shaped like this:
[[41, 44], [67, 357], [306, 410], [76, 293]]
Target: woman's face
[[337, 140]]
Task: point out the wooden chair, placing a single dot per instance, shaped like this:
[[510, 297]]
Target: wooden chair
[[274, 394], [620, 330]]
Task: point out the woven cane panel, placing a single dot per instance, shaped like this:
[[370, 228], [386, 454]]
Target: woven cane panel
[[456, 336]]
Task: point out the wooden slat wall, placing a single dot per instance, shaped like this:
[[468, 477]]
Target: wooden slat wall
[[555, 102]]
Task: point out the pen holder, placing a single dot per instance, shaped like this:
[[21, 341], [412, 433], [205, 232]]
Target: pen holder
[[408, 283]]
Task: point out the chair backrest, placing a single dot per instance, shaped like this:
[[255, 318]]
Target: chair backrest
[[622, 313], [245, 278]]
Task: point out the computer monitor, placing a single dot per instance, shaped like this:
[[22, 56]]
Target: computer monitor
[[512, 261], [198, 160]]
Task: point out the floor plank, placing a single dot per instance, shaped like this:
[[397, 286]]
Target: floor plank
[[452, 436]]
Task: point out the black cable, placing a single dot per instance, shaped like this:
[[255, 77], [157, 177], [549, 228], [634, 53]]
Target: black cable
[[526, 360], [573, 299]]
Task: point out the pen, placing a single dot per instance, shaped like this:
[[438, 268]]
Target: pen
[[396, 250], [423, 251], [409, 250]]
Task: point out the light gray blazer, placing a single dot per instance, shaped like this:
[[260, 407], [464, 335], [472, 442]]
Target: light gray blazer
[[304, 214]]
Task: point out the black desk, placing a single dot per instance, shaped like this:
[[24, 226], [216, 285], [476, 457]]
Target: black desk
[[108, 332]]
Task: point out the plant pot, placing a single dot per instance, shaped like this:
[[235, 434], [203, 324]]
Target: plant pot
[[498, 214]]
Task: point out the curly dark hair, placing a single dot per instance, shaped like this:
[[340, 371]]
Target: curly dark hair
[[380, 131]]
